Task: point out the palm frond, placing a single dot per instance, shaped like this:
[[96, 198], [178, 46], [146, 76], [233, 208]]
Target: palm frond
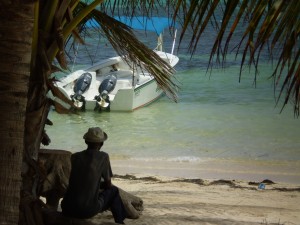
[[269, 23]]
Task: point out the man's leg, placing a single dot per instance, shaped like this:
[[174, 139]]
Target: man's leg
[[111, 199]]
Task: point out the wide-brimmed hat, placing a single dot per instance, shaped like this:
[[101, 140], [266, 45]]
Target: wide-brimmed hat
[[95, 135]]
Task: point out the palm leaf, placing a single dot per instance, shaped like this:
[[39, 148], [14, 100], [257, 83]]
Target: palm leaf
[[269, 22]]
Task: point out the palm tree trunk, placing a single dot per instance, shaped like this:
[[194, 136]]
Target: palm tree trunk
[[16, 25]]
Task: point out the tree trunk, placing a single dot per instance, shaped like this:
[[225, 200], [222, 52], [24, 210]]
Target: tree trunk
[[16, 25]]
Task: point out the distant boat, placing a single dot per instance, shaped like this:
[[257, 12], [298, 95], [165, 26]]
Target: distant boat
[[113, 85]]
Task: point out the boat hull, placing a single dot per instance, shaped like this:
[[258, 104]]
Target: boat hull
[[131, 99]]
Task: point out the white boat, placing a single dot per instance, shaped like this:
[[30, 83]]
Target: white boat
[[114, 85]]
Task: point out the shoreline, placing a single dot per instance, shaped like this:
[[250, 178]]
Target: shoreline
[[235, 184], [256, 170], [286, 172]]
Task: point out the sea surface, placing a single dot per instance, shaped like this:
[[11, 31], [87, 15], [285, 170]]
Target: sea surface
[[217, 116]]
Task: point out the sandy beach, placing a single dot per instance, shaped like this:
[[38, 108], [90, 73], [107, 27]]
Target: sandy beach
[[180, 200], [197, 201]]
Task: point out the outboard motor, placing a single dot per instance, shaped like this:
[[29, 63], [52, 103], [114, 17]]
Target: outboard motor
[[82, 85], [106, 86]]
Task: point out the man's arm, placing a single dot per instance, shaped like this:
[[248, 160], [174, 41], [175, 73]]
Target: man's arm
[[107, 175]]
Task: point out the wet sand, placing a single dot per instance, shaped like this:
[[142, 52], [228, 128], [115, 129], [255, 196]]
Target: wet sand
[[247, 170]]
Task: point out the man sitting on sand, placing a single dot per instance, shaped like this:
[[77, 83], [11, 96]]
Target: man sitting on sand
[[90, 190]]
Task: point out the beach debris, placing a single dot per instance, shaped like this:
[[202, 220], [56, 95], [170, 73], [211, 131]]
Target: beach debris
[[266, 181], [223, 182], [261, 186], [194, 181]]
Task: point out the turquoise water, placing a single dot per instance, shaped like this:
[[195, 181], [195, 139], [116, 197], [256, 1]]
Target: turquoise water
[[216, 118]]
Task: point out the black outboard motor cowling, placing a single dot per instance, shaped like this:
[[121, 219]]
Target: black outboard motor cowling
[[108, 84], [82, 85]]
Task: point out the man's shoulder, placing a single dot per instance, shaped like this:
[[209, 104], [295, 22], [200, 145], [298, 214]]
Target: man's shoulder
[[78, 153], [102, 154], [97, 154]]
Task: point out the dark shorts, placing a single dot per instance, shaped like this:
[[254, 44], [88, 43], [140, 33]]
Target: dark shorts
[[107, 199]]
